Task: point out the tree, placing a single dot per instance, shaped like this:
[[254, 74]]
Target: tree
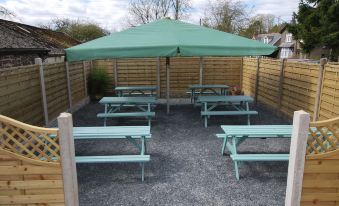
[[145, 11], [226, 15], [81, 30], [261, 24], [316, 24]]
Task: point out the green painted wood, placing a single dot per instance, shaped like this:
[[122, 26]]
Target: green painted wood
[[213, 99], [260, 157], [128, 100], [130, 88], [258, 131], [111, 132], [112, 158], [126, 114], [228, 113], [208, 86]]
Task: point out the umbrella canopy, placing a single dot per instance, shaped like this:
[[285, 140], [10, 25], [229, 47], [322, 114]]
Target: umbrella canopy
[[168, 38]]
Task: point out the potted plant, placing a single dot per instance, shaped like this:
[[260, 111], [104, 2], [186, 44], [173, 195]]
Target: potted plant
[[98, 81]]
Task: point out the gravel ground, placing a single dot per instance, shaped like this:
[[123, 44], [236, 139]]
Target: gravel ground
[[186, 166]]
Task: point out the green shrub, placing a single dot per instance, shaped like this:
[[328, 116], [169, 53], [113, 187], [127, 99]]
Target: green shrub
[[98, 81]]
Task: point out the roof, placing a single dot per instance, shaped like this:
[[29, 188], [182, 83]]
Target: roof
[[168, 38], [17, 37], [273, 38]]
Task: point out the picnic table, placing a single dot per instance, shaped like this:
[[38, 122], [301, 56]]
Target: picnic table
[[240, 105], [214, 89], [137, 135], [238, 134], [135, 90], [114, 107]]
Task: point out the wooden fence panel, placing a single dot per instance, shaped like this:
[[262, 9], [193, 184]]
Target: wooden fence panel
[[20, 94], [321, 172], [269, 80], [299, 88], [76, 76], [222, 70], [56, 89], [184, 71], [329, 99], [141, 71], [249, 77], [30, 165]]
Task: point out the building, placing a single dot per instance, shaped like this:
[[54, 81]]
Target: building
[[20, 44]]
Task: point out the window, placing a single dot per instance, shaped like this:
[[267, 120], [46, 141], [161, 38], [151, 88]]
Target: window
[[285, 53], [266, 40], [288, 37]]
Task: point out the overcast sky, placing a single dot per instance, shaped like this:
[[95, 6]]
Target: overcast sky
[[110, 14]]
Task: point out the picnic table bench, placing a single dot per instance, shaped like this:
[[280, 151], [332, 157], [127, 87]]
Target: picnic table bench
[[238, 134], [240, 104], [114, 105], [137, 135], [135, 90], [214, 89]]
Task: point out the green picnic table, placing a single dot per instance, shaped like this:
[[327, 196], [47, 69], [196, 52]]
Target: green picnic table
[[137, 135], [135, 90], [238, 134], [239, 104], [114, 107], [214, 89]]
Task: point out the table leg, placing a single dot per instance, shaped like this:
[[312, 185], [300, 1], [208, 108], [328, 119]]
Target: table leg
[[149, 110], [142, 152], [206, 117], [142, 172], [224, 145], [105, 113], [248, 116], [234, 144]]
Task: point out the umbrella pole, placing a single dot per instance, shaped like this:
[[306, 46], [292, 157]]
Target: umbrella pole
[[168, 83]]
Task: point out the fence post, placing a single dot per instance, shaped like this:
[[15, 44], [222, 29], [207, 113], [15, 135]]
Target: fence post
[[158, 77], [257, 80], [301, 122], [201, 70], [323, 61], [115, 63], [69, 91], [85, 77], [67, 154], [38, 61], [281, 83]]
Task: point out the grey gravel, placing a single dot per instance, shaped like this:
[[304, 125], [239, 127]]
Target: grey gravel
[[186, 166]]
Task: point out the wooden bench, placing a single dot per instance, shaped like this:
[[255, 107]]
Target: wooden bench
[[137, 135], [237, 135], [147, 115]]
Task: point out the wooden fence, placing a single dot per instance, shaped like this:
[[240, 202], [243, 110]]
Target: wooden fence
[[313, 172], [37, 165], [38, 93], [288, 86], [184, 71]]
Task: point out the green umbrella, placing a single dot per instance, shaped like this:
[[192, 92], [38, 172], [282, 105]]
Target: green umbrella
[[168, 38]]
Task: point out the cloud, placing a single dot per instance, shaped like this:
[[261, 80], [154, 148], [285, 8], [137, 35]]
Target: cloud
[[110, 14]]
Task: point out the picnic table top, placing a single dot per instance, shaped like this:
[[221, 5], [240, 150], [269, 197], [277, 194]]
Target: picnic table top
[[208, 86], [127, 88], [111, 131], [257, 130], [135, 100], [225, 99]]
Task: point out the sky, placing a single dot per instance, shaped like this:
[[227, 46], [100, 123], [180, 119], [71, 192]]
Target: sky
[[111, 14]]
